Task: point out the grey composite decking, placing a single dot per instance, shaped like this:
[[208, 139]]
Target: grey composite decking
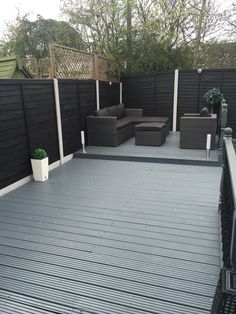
[[169, 152], [111, 237]]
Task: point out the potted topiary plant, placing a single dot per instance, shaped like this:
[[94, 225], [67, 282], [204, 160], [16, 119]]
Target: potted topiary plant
[[213, 98], [39, 162]]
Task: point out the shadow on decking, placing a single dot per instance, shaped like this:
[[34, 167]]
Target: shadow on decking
[[169, 152]]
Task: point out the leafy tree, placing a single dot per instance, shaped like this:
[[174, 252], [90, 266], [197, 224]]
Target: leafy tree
[[30, 39], [141, 35], [219, 55], [204, 23], [231, 21]]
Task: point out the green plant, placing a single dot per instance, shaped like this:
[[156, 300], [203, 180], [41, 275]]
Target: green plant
[[39, 153], [113, 71], [213, 97]]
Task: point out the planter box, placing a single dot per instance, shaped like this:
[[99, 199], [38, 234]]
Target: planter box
[[40, 169]]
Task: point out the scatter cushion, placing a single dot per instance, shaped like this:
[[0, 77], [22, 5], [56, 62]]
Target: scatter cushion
[[102, 113], [204, 112], [155, 126], [121, 113]]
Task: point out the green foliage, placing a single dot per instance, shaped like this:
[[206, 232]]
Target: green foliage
[[219, 55], [39, 153], [30, 39], [141, 36], [213, 97], [113, 71], [146, 35]]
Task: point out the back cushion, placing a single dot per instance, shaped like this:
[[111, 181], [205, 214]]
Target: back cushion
[[121, 113], [113, 112], [103, 112]]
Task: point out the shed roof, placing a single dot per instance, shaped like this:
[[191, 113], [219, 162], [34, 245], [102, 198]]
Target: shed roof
[[9, 65]]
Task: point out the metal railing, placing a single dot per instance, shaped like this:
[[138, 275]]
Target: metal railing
[[225, 296]]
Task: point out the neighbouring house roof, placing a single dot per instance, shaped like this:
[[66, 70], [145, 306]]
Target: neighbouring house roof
[[10, 67]]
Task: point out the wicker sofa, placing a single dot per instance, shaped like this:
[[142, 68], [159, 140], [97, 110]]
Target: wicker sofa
[[114, 125]]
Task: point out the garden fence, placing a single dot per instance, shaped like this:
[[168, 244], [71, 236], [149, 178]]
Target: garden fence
[[28, 120]]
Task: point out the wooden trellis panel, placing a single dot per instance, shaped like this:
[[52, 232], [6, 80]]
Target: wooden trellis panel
[[32, 65], [38, 68], [44, 68], [70, 63], [103, 66]]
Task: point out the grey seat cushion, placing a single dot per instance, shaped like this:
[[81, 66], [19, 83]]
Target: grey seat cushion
[[151, 126], [121, 123]]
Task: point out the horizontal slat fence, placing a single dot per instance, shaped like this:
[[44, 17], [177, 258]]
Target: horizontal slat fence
[[77, 100], [193, 86], [28, 120], [109, 94], [153, 93], [28, 115], [14, 154]]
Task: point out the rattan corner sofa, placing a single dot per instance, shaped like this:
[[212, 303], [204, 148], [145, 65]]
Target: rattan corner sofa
[[114, 125]]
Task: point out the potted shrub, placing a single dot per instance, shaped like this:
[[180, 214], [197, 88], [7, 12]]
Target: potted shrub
[[213, 98], [39, 162]]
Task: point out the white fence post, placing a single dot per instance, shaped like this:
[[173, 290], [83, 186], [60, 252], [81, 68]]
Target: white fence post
[[175, 100], [121, 92], [97, 95], [58, 115]]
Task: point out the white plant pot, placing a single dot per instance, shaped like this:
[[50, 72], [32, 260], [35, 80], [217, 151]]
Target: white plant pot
[[40, 169]]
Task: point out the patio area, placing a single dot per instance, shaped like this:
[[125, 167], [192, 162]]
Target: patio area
[[103, 236], [169, 152]]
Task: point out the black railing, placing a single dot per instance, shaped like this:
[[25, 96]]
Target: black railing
[[222, 122], [225, 296]]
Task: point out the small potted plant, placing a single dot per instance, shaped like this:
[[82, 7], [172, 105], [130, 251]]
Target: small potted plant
[[39, 162], [213, 98]]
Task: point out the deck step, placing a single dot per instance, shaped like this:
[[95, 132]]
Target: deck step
[[174, 161]]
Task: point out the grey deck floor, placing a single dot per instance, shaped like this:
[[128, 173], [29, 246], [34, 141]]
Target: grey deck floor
[[169, 150], [111, 237]]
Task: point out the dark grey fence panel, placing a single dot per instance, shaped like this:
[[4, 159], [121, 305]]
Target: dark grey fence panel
[[208, 80], [39, 104], [188, 93], [69, 101], [229, 91], [109, 94], [152, 93], [87, 100], [194, 85], [165, 94], [27, 121], [130, 89], [146, 95], [14, 154]]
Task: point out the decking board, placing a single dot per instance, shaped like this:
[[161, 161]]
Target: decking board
[[112, 237]]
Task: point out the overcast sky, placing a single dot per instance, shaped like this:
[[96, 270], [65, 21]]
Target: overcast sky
[[46, 8]]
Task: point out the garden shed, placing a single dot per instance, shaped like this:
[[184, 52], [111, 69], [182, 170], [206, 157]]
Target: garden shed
[[10, 67]]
